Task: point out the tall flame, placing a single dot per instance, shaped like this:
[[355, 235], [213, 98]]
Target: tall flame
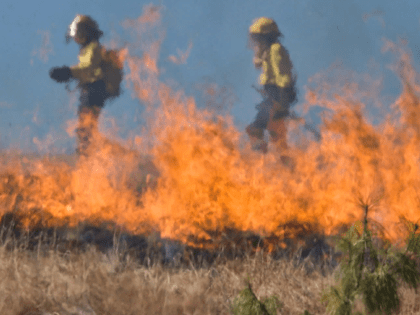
[[209, 181]]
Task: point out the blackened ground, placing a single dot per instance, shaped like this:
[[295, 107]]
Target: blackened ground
[[311, 251]]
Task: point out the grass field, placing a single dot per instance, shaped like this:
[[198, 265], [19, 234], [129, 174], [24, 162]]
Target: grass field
[[48, 280]]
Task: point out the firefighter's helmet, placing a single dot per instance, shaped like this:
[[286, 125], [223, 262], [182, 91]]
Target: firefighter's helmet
[[264, 26], [83, 29]]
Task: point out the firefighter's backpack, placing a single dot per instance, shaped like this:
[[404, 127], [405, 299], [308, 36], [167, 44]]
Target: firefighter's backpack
[[112, 69]]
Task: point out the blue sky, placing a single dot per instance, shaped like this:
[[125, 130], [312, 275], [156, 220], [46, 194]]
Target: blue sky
[[317, 35]]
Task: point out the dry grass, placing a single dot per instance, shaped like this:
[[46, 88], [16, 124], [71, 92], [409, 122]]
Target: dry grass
[[91, 282], [96, 283]]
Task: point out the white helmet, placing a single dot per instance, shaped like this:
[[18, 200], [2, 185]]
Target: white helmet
[[82, 29]]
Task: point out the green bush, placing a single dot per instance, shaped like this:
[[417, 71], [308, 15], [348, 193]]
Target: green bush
[[371, 274], [246, 303]]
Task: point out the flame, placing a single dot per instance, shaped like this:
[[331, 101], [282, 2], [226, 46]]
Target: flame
[[209, 181]]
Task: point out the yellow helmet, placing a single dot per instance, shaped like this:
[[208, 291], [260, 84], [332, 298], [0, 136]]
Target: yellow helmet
[[264, 25]]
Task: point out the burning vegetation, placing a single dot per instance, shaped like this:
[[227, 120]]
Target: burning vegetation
[[190, 178]]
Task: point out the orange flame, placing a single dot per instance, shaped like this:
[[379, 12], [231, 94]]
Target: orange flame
[[209, 181]]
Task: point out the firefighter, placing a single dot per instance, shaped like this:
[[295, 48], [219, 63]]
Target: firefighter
[[278, 83], [89, 74]]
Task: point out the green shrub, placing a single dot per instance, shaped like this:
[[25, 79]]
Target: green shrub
[[246, 303], [371, 274]]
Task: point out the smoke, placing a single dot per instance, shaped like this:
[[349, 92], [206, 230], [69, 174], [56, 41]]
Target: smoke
[[216, 98], [182, 56], [5, 105], [44, 145], [45, 48], [377, 14], [142, 53]]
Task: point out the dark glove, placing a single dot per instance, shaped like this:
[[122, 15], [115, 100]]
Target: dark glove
[[60, 74]]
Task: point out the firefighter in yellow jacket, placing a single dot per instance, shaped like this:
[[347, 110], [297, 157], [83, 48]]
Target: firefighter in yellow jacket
[[89, 73], [277, 80]]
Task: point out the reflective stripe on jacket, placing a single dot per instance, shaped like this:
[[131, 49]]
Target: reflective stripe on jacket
[[89, 68], [276, 66]]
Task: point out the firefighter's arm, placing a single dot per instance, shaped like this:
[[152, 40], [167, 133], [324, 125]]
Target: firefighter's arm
[[258, 58], [89, 60], [282, 80]]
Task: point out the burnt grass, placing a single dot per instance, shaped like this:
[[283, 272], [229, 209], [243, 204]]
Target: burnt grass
[[310, 250]]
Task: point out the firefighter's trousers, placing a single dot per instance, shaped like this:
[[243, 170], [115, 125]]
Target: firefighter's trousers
[[270, 116], [92, 100]]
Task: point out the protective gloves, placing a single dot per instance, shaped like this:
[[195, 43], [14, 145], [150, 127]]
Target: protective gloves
[[61, 74]]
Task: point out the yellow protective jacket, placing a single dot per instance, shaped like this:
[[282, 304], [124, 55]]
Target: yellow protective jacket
[[276, 65], [89, 68]]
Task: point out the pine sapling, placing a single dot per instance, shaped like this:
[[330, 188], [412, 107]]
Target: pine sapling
[[246, 303], [371, 274]]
